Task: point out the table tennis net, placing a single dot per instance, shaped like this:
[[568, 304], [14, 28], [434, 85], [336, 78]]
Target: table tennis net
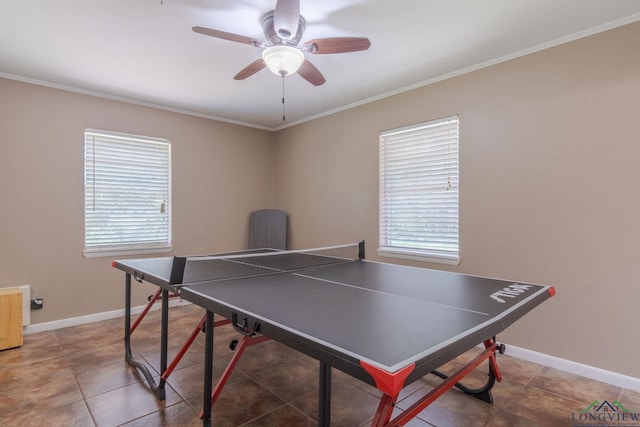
[[208, 268]]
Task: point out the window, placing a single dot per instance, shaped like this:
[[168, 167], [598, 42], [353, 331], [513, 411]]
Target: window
[[127, 194], [419, 192]]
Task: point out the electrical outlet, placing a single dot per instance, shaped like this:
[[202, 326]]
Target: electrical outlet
[[37, 303]]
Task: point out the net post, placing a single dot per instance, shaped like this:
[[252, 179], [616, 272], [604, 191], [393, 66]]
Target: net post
[[361, 249], [177, 270]]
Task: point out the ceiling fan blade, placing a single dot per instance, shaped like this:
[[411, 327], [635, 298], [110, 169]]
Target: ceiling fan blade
[[310, 73], [286, 17], [250, 69], [337, 45], [226, 36]]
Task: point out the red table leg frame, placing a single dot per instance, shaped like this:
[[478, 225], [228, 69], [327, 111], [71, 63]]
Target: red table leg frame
[[392, 383], [192, 338], [245, 342], [194, 334]]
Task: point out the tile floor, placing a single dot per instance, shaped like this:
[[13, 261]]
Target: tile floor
[[77, 377]]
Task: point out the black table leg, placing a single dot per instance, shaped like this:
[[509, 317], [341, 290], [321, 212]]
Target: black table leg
[[324, 396], [127, 312], [208, 370], [158, 389], [164, 335]]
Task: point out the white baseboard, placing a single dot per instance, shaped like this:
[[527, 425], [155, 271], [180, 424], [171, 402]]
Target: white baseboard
[[609, 377], [90, 318]]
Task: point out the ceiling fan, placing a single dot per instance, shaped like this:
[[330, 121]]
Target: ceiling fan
[[283, 28]]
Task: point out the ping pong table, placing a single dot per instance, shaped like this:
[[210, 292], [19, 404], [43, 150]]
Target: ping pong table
[[385, 324]]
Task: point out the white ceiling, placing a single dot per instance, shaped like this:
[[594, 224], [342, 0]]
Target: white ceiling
[[145, 51]]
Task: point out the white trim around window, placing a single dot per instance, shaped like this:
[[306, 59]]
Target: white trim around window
[[419, 192], [127, 201]]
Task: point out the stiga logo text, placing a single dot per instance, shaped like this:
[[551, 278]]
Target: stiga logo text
[[511, 291]]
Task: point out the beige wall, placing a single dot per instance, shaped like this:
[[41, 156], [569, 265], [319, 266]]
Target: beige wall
[[549, 189], [221, 173]]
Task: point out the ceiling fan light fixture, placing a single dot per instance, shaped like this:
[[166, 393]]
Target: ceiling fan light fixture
[[283, 60]]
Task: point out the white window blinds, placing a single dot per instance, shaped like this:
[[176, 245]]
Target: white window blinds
[[127, 194], [419, 191]]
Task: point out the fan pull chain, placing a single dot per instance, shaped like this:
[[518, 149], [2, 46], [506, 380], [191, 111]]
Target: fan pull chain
[[283, 117]]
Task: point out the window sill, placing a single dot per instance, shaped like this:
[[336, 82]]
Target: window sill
[[110, 252], [419, 256]]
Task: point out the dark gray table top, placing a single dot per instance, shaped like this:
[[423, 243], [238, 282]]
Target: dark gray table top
[[386, 315]]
